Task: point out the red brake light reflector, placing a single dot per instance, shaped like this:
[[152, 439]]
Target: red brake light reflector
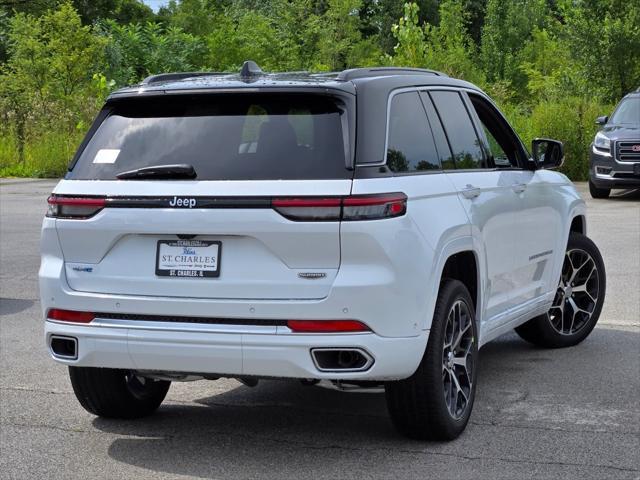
[[314, 209], [74, 207], [374, 207], [356, 207], [327, 326], [70, 316]]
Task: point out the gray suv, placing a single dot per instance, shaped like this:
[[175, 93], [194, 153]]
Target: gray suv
[[615, 151]]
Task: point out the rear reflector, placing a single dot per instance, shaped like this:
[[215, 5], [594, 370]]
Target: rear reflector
[[373, 207], [74, 207], [355, 207], [326, 326], [70, 316], [309, 209]]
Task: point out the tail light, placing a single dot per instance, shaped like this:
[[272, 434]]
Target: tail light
[[74, 207], [70, 316], [327, 326], [374, 207], [308, 209], [354, 207], [300, 209]]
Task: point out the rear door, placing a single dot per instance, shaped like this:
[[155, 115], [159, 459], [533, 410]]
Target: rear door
[[237, 229], [485, 194]]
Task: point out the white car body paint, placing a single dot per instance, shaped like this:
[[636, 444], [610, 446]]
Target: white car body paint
[[385, 273]]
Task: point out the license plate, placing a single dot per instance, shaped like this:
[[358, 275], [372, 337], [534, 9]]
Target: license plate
[[188, 258]]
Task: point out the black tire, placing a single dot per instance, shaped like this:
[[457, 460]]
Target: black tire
[[111, 393], [598, 192], [417, 405], [543, 330]]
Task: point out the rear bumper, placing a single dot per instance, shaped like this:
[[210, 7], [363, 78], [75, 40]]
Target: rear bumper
[[227, 350]]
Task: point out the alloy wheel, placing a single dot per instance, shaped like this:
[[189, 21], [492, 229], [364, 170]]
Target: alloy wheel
[[577, 293], [457, 359]]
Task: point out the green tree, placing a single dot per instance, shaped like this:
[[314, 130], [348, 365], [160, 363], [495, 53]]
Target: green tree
[[124, 11], [447, 47], [247, 35], [341, 43], [196, 17], [550, 72], [135, 51], [507, 27], [451, 47], [411, 47], [604, 38], [48, 79]]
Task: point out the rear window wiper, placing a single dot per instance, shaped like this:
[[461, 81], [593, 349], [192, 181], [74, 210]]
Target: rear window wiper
[[160, 172]]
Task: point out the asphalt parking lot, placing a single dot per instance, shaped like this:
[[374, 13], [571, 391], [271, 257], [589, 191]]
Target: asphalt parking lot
[[572, 413]]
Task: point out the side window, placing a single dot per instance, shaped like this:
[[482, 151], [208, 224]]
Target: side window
[[442, 145], [498, 155], [504, 146], [410, 145], [466, 147]]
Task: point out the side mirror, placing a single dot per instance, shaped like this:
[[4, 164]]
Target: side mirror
[[547, 153], [602, 120]]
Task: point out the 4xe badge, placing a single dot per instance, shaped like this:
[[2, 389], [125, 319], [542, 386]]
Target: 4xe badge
[[182, 202]]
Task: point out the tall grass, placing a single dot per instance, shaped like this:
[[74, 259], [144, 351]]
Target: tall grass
[[46, 155]]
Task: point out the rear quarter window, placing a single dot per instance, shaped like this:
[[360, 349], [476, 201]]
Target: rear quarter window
[[410, 144], [224, 137]]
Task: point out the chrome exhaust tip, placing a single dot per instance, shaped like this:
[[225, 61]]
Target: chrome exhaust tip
[[64, 348], [341, 359]]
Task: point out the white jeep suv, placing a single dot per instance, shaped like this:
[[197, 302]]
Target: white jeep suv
[[369, 228]]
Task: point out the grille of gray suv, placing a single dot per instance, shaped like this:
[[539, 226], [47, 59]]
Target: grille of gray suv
[[628, 151]]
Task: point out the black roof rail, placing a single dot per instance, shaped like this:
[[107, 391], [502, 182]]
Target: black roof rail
[[325, 74], [167, 77], [354, 73]]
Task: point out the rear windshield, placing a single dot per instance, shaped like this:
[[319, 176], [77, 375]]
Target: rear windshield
[[627, 112], [224, 137]]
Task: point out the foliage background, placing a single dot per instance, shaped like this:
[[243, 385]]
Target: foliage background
[[552, 65]]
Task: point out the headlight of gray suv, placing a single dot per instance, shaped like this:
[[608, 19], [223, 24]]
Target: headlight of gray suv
[[602, 142]]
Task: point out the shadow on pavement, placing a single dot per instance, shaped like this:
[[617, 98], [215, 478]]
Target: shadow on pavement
[[10, 306], [283, 426]]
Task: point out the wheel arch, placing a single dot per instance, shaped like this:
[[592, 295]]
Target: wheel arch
[[463, 266], [579, 224], [459, 259]]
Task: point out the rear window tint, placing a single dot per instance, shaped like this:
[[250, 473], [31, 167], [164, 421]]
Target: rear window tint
[[224, 137], [410, 143]]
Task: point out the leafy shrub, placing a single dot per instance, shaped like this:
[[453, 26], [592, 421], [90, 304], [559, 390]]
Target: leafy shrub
[[572, 121]]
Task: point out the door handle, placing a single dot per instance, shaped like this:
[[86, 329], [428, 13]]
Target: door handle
[[470, 192], [519, 187]]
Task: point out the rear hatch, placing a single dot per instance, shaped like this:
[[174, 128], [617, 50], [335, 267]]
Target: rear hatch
[[207, 196]]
